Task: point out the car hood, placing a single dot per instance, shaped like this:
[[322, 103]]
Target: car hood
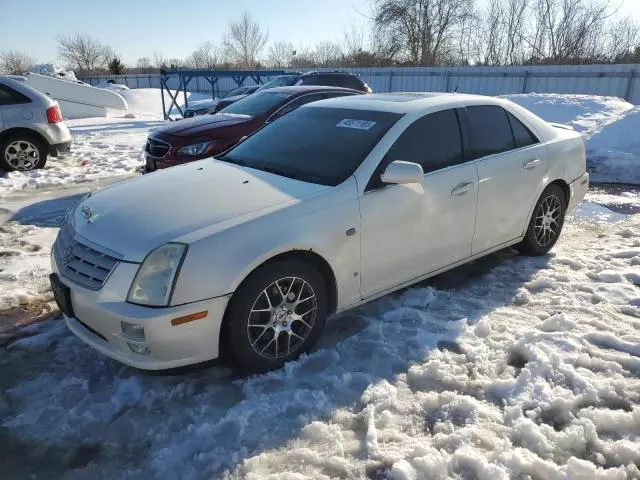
[[203, 124], [133, 217]]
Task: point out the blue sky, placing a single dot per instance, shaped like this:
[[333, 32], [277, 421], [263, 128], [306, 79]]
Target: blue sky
[[137, 28]]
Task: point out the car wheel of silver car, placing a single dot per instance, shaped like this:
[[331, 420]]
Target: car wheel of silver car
[[22, 153], [546, 222], [277, 314]]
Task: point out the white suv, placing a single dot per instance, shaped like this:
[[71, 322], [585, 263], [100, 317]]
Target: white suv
[[31, 127]]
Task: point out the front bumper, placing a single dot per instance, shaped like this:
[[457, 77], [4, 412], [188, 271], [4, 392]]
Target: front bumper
[[98, 316]]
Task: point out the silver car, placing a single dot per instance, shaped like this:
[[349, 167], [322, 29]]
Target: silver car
[[31, 127]]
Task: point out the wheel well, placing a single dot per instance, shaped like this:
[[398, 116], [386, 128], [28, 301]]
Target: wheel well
[[307, 256], [24, 131], [565, 189], [316, 260]]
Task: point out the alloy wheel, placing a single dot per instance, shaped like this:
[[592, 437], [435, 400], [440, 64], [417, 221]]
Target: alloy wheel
[[22, 155], [547, 224], [282, 317]]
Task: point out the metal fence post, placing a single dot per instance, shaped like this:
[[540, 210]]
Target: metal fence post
[[446, 87], [390, 87], [164, 109], [627, 94], [525, 81]]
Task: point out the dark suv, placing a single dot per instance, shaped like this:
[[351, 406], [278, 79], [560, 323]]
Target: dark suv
[[330, 79]]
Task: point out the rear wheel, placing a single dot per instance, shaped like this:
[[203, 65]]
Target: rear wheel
[[277, 314], [22, 153], [546, 222]]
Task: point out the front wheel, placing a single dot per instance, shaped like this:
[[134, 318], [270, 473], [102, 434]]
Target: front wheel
[[277, 314], [546, 222]]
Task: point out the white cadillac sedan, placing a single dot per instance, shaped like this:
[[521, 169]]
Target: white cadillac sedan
[[339, 202]]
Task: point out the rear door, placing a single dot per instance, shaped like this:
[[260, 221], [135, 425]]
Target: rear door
[[511, 165], [411, 230]]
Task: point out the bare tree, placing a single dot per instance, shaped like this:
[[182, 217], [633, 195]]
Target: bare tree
[[159, 60], [280, 54], [14, 62], [426, 29], [326, 54], [206, 57], [244, 41], [569, 31], [302, 57], [83, 52], [623, 40]]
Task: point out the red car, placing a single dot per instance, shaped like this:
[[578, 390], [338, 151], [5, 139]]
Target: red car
[[204, 136]]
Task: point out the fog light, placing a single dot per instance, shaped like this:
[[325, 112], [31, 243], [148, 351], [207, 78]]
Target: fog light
[[139, 348], [132, 330]]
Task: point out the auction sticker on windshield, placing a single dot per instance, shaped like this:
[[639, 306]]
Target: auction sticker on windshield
[[358, 124]]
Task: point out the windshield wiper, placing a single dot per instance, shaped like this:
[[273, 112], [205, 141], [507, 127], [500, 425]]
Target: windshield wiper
[[305, 177], [228, 159]]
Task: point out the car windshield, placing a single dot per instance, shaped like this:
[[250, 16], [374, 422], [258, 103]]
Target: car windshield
[[280, 81], [256, 104], [314, 144], [235, 91]]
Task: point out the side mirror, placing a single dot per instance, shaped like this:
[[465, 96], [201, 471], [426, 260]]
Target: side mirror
[[402, 172]]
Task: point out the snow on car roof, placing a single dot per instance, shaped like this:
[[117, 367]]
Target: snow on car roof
[[404, 102]]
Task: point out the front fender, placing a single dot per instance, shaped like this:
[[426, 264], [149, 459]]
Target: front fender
[[217, 264]]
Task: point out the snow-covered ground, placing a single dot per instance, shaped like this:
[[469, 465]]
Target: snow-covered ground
[[510, 367]]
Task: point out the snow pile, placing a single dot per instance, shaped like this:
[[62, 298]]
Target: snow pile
[[510, 367], [53, 71], [609, 126], [116, 87], [614, 152], [148, 101]]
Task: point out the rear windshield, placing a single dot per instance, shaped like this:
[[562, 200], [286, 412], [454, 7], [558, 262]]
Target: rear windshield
[[235, 91], [280, 81], [256, 104], [314, 144]]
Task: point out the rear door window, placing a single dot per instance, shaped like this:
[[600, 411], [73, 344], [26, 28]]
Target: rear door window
[[490, 130], [9, 96], [432, 141], [522, 136], [351, 81]]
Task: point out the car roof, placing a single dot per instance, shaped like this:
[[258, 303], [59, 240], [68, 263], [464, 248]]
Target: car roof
[[308, 89], [406, 102]]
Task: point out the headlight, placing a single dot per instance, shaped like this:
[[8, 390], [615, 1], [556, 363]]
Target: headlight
[[193, 150], [154, 281]]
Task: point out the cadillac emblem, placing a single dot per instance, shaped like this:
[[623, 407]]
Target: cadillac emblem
[[66, 256], [86, 212]]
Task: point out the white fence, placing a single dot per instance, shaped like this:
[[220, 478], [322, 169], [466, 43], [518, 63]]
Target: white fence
[[609, 80]]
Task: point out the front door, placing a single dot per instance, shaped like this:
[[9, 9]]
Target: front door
[[410, 230]]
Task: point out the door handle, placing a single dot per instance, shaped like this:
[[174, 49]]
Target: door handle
[[462, 188], [531, 164]]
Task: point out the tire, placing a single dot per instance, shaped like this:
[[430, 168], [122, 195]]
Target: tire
[[546, 222], [259, 314], [22, 152]]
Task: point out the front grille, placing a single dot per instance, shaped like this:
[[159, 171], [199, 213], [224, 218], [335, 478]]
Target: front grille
[[156, 148], [79, 263]]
